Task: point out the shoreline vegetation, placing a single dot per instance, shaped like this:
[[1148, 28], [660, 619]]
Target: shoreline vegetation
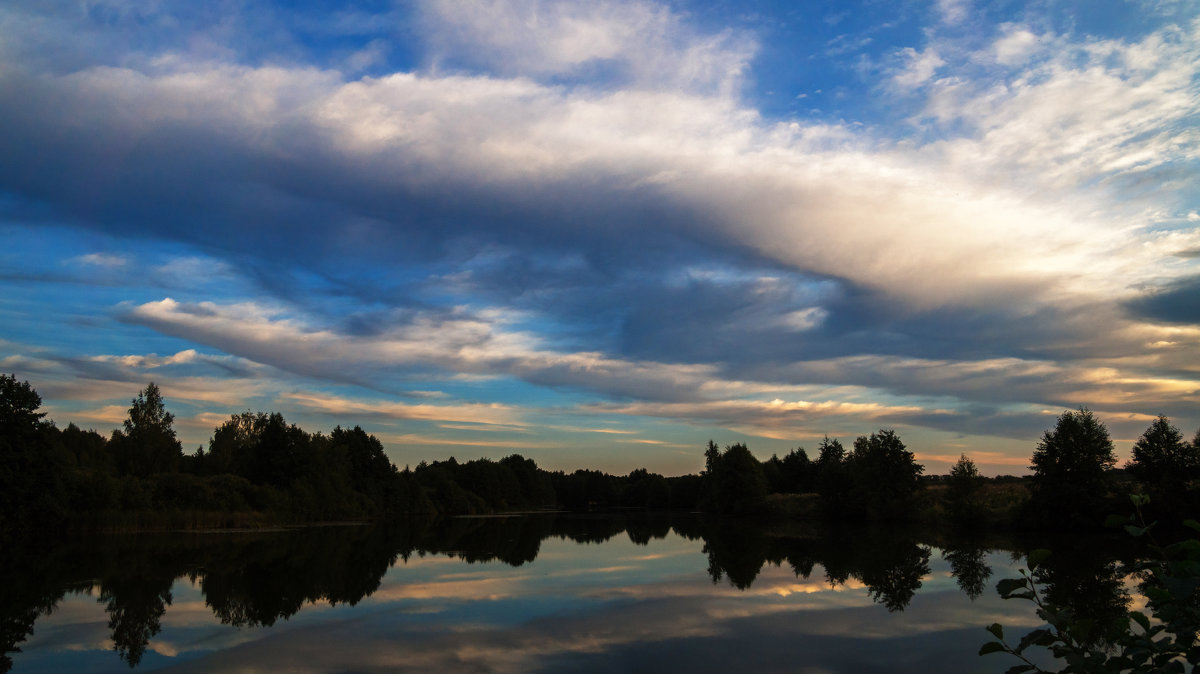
[[259, 471]]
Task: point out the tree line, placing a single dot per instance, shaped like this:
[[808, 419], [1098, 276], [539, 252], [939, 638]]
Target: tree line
[[259, 469], [1074, 482]]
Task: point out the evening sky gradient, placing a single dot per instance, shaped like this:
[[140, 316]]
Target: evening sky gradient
[[600, 233]]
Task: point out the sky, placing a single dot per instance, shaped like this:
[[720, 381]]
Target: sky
[[598, 234]]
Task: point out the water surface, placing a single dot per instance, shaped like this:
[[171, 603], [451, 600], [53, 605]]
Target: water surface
[[521, 594]]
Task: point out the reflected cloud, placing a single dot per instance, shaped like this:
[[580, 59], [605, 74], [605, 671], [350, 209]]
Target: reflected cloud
[[381, 598]]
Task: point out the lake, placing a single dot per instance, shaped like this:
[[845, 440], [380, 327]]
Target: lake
[[607, 593]]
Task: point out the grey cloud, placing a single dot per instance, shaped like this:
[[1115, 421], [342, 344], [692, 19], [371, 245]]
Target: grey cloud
[[1175, 302]]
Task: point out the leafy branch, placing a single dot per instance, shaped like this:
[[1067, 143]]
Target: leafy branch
[[1162, 642]]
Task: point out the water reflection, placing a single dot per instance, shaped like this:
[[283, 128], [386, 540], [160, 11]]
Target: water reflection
[[888, 563], [968, 563], [256, 580]]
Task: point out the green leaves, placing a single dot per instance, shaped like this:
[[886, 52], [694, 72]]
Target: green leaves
[[1159, 642], [1114, 521], [1141, 619], [1015, 588], [1135, 531], [992, 647], [1036, 558], [1039, 637]]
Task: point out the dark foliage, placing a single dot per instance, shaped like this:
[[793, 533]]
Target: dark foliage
[[962, 493], [734, 482], [1070, 479], [1165, 464], [885, 477]]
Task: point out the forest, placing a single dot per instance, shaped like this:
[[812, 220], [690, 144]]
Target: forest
[[259, 470]]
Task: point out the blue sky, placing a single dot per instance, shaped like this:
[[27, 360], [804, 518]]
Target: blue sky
[[599, 234]]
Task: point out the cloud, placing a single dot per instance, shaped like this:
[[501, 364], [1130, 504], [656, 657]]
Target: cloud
[[1016, 47], [953, 11], [1176, 302], [768, 415], [585, 197], [103, 260], [1102, 110], [457, 342], [567, 169], [639, 44], [918, 69], [490, 414]]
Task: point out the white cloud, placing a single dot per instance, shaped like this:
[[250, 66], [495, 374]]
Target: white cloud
[[190, 272], [104, 260], [645, 41], [1016, 47], [919, 67], [484, 414], [953, 11], [822, 199], [1025, 208], [463, 343], [1089, 112]]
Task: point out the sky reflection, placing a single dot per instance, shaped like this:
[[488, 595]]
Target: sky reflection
[[612, 606]]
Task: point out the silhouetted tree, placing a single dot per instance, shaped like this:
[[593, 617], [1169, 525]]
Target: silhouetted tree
[[1164, 462], [799, 473], [260, 447], [885, 476], [685, 490], [962, 492], [536, 486], [19, 403], [644, 489], [833, 479], [1069, 471], [772, 470], [147, 444], [32, 468], [734, 480], [371, 473]]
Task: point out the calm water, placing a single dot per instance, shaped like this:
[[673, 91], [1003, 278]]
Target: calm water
[[521, 594]]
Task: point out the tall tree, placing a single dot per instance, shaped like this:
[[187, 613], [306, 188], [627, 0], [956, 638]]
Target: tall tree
[[885, 475], [962, 492], [1164, 462], [833, 479], [19, 405], [32, 490], [147, 443], [1070, 464], [1162, 453], [734, 480]]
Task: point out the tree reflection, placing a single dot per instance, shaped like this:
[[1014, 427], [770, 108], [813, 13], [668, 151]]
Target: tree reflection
[[252, 580], [31, 587], [891, 566], [135, 607], [273, 578], [893, 576], [969, 566], [1088, 586], [736, 551]]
